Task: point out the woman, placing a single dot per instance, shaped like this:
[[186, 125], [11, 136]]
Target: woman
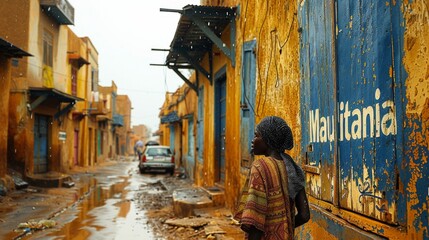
[[275, 186]]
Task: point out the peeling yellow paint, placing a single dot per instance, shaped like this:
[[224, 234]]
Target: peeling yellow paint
[[416, 59]]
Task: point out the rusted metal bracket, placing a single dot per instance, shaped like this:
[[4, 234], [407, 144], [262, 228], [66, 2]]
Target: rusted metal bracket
[[190, 84], [64, 110], [37, 102]]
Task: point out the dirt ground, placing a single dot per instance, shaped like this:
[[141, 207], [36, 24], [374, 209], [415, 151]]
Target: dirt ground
[[209, 223], [154, 198]]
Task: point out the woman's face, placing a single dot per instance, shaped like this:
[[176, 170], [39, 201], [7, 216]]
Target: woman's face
[[259, 147]]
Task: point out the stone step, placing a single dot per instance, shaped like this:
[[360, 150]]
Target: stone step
[[216, 194], [185, 200]]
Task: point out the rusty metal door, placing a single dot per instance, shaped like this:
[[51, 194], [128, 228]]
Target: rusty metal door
[[348, 105], [318, 97], [220, 126], [41, 133], [367, 114]]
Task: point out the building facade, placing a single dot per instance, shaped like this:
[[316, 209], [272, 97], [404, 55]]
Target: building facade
[[125, 132], [10, 56], [40, 101]]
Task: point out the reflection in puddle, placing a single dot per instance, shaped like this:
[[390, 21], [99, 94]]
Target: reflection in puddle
[[102, 212]]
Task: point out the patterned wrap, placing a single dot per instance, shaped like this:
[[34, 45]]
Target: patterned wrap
[[265, 201]]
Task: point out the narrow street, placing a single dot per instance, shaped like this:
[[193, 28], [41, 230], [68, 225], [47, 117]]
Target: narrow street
[[109, 202]]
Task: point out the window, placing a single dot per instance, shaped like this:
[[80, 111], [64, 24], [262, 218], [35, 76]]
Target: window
[[47, 49], [94, 80], [48, 77], [74, 71]]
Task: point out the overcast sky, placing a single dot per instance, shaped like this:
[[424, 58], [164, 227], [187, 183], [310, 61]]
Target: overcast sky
[[124, 32]]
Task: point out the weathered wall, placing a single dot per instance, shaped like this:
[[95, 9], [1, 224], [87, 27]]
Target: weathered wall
[[17, 33], [28, 31], [14, 28], [415, 166], [4, 111], [274, 26], [187, 103]]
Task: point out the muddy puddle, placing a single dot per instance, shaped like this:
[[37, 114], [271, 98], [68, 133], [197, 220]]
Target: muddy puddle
[[103, 210]]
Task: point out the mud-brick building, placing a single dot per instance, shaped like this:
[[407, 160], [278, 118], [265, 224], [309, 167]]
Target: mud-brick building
[[93, 107], [10, 57], [125, 143], [81, 126], [350, 78], [178, 121], [142, 132], [109, 123], [83, 69], [163, 131], [39, 99]]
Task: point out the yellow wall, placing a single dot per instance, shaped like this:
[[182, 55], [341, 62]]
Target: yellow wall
[[277, 83], [4, 111]]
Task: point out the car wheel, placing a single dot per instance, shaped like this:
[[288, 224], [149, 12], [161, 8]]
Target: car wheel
[[170, 171], [142, 170]]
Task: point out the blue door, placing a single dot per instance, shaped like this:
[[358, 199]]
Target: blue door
[[41, 124], [247, 102], [367, 110], [318, 96], [172, 138], [200, 124], [190, 165], [220, 124], [348, 105]]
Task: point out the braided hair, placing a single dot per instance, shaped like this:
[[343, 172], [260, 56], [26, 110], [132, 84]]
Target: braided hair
[[276, 133]]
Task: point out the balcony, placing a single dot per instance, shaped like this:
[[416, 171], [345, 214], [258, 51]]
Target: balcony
[[61, 10], [97, 108], [118, 120]]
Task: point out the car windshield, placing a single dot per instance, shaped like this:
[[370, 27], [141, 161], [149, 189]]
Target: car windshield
[[159, 152]]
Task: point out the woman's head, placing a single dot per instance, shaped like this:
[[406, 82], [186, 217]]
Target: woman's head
[[275, 133]]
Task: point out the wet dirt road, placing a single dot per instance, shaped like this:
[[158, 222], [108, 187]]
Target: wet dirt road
[[110, 203]]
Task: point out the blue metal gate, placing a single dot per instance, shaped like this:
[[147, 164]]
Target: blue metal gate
[[367, 115], [40, 156], [172, 139], [318, 96], [190, 165], [220, 124], [348, 105]]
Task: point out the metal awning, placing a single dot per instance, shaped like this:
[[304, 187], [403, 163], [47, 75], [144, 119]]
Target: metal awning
[[10, 50], [198, 29], [170, 117], [44, 94], [74, 57], [60, 10]]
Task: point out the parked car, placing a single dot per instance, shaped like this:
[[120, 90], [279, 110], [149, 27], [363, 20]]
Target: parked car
[[157, 157]]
